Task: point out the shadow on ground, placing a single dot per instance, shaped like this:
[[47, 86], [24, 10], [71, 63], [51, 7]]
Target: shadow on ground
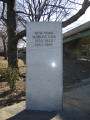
[[11, 99], [68, 114]]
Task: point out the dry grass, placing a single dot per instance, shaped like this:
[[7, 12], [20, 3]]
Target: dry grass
[[4, 64], [22, 66]]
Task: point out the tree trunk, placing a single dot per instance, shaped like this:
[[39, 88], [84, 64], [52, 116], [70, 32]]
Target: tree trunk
[[11, 29]]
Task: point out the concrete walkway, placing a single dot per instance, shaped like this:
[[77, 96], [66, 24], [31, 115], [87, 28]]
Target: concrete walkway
[[76, 107], [79, 98]]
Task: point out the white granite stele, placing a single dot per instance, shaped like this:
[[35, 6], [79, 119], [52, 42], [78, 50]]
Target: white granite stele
[[44, 84]]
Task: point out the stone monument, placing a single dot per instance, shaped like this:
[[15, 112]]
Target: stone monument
[[44, 84]]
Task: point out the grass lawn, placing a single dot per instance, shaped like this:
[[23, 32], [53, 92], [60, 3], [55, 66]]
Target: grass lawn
[[8, 97], [4, 64]]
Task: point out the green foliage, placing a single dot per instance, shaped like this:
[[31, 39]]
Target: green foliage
[[2, 74], [11, 76]]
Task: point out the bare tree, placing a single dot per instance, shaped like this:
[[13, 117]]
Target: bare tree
[[3, 36], [50, 10], [10, 22], [36, 10]]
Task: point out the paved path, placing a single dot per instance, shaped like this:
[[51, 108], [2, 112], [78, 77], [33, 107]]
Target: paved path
[[79, 98], [76, 107]]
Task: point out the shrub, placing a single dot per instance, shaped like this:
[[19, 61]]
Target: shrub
[[11, 76], [2, 71]]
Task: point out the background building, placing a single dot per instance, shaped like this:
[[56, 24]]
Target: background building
[[77, 41]]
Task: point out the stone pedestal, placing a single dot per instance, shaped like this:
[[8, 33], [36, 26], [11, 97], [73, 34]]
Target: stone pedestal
[[44, 84]]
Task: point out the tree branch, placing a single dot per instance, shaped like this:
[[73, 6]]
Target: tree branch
[[21, 12], [74, 2], [72, 19], [2, 14], [24, 40], [41, 10], [20, 35], [59, 6]]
